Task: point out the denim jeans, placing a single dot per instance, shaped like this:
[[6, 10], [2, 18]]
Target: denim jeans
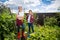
[[30, 26], [22, 26], [18, 31]]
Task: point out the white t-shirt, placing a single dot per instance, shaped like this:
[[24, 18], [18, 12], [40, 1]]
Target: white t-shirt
[[21, 14], [29, 18]]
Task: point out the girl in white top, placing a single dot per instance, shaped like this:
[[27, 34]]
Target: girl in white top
[[19, 22], [20, 14]]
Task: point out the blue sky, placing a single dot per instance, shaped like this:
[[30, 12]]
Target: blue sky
[[4, 0], [34, 5]]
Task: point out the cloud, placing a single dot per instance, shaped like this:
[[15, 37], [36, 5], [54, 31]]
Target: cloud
[[15, 2], [14, 11], [34, 5], [27, 3], [53, 7], [32, 2]]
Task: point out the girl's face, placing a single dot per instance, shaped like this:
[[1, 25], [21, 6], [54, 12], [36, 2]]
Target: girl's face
[[20, 8], [30, 12]]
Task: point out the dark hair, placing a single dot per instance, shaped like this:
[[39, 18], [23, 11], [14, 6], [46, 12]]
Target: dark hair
[[30, 10]]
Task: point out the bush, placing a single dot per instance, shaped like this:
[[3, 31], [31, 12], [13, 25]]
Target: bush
[[46, 33], [50, 21], [7, 25]]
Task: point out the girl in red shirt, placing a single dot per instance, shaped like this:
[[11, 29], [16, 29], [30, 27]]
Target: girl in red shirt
[[30, 19]]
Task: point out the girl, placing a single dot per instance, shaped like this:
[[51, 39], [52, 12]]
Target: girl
[[30, 19], [19, 22]]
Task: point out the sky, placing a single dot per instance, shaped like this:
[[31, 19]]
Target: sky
[[38, 6]]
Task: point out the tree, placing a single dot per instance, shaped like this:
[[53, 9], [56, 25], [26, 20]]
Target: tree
[[6, 24]]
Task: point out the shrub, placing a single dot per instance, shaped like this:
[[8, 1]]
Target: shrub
[[7, 25], [50, 21], [46, 33]]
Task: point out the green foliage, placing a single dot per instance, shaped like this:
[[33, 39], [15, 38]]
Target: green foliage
[[58, 18], [45, 33], [50, 21], [7, 25], [25, 20], [35, 18]]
